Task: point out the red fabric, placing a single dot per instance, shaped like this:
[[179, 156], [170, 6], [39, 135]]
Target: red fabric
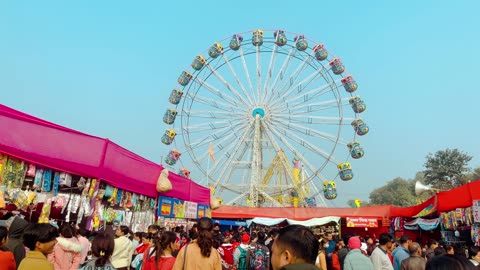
[[51, 145], [7, 261], [227, 253], [335, 262], [142, 248], [236, 212], [164, 263]]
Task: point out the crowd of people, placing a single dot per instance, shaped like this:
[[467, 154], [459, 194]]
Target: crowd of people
[[386, 253], [26, 246]]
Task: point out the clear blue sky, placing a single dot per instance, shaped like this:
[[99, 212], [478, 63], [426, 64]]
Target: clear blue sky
[[107, 68]]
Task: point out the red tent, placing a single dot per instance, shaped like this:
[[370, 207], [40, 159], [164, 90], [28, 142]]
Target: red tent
[[51, 145]]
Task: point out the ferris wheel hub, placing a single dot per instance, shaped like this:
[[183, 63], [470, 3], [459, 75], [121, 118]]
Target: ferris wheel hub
[[259, 111]]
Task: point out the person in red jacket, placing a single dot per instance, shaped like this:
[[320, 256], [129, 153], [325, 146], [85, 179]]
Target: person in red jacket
[[7, 261], [335, 258], [159, 255]]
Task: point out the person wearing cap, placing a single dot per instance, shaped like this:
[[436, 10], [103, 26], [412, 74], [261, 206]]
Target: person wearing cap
[[244, 245], [355, 260], [401, 252]]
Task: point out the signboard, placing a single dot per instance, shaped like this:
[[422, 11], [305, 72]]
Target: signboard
[[191, 209], [476, 211], [361, 222], [170, 207], [203, 211], [175, 208]]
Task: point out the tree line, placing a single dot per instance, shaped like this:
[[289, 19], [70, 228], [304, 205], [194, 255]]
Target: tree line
[[444, 170]]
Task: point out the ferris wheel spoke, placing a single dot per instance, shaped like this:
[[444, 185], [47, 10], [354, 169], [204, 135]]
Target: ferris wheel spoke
[[210, 102], [271, 65], [216, 92], [228, 131], [227, 85], [307, 131], [245, 69], [305, 107], [326, 120], [283, 89], [299, 87], [209, 126], [237, 79], [306, 144], [282, 69], [231, 156], [234, 163], [307, 96], [259, 74], [219, 114]]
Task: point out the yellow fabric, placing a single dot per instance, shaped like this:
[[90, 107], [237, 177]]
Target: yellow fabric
[[35, 260]]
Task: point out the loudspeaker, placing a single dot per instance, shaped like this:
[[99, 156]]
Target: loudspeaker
[[420, 188]]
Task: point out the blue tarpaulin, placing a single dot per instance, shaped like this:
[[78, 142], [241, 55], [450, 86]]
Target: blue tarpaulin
[[225, 222]]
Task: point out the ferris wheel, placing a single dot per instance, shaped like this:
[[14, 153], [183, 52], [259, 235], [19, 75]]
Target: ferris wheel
[[265, 118]]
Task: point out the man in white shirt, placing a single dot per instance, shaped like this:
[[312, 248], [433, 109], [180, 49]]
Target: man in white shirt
[[379, 256]]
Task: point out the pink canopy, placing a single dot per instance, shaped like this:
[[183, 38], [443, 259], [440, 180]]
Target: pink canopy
[[51, 145]]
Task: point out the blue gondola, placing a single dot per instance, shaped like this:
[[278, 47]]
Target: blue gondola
[[184, 78], [280, 38], [169, 116], [235, 42], [168, 136], [360, 126], [356, 150], [198, 62], [175, 96], [358, 105], [337, 66], [320, 52], [349, 84], [345, 171], [215, 50], [330, 190], [257, 38], [301, 43]]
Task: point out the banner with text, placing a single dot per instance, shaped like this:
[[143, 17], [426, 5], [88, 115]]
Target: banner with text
[[175, 208], [361, 222]]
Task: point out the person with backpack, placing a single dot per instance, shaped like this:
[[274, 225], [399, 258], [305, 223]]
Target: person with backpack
[[241, 256], [260, 254]]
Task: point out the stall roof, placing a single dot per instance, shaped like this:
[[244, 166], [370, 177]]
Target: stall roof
[[309, 222], [300, 213], [48, 144]]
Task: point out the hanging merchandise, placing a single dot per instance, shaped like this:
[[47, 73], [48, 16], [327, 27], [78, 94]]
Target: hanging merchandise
[[47, 180], [14, 172], [37, 182], [30, 170], [3, 163], [56, 181], [109, 191], [45, 214], [65, 179], [119, 196], [2, 200]]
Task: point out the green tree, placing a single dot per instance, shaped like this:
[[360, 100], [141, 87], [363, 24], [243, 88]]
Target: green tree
[[446, 169], [398, 192], [474, 176]]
